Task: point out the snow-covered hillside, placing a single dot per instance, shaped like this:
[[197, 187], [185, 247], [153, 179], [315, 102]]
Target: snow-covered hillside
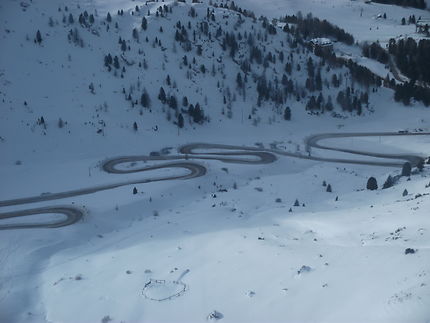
[[363, 20], [259, 239]]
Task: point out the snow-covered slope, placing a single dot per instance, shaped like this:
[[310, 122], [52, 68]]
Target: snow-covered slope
[[226, 241], [355, 16]]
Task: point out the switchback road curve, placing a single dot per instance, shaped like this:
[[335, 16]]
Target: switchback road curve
[[313, 142], [223, 153]]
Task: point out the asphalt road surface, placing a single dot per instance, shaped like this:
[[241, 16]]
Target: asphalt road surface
[[219, 152]]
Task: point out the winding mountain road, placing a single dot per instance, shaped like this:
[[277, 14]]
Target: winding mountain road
[[223, 153]]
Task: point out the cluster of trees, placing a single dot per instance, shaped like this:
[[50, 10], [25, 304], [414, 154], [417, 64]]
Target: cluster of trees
[[250, 51], [195, 112], [162, 11], [372, 183], [351, 100], [409, 90], [420, 4], [85, 19], [232, 6], [108, 61], [74, 37], [411, 20], [319, 103], [412, 58], [375, 51], [311, 27], [229, 41], [362, 74]]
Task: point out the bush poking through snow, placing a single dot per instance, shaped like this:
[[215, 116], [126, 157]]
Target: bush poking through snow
[[304, 269], [106, 319], [409, 251], [372, 184], [215, 315]]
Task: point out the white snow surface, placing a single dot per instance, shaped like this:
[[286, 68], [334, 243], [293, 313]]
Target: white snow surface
[[243, 249]]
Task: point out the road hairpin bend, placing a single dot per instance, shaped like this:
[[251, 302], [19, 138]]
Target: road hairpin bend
[[223, 153]]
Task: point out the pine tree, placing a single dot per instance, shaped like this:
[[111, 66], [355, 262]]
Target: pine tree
[[389, 182], [406, 169], [162, 95], [185, 101], [38, 37], [134, 190], [116, 62], [135, 126], [420, 165], [173, 103], [296, 203], [180, 120], [239, 80], [144, 24], [328, 188], [135, 34], [144, 99], [109, 17], [405, 192], [287, 114]]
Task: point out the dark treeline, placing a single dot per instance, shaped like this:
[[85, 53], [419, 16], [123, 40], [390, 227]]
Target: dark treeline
[[412, 58], [311, 27], [359, 73], [234, 7], [407, 91], [375, 51], [420, 4]]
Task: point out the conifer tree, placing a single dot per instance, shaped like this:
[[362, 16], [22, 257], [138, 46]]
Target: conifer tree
[[406, 169], [287, 114], [38, 37], [372, 184], [180, 120], [144, 24]]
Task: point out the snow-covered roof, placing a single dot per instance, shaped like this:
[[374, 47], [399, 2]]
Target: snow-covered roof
[[423, 22], [321, 41]]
